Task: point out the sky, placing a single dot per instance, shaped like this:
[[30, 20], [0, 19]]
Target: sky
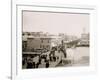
[[54, 23]]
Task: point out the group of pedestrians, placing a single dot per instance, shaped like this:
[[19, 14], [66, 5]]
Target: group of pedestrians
[[42, 60], [35, 62]]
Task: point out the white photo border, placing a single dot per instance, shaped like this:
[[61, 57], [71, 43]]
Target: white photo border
[[18, 73]]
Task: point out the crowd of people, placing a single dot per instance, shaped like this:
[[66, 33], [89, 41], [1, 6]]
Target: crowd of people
[[42, 60]]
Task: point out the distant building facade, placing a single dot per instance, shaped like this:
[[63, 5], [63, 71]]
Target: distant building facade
[[85, 39], [38, 40], [34, 43]]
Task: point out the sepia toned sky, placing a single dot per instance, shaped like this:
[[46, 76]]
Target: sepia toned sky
[[54, 23]]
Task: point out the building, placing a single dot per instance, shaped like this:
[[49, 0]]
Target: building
[[24, 42], [84, 41], [33, 41]]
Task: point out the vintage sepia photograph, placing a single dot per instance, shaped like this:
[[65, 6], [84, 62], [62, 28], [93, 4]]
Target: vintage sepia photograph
[[55, 39]]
